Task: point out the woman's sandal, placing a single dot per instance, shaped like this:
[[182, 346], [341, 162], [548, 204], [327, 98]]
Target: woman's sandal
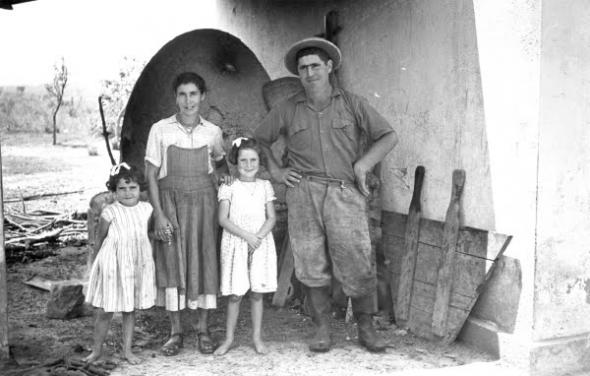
[[206, 345], [173, 345]]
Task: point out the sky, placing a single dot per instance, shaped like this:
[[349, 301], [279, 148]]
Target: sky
[[93, 36]]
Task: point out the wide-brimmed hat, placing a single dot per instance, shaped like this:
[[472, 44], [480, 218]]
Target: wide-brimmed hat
[[330, 48]]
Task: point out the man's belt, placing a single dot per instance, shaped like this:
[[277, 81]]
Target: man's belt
[[326, 180]]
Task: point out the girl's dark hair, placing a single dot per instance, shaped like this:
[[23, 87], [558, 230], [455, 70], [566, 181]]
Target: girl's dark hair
[[132, 174], [189, 78], [247, 143]]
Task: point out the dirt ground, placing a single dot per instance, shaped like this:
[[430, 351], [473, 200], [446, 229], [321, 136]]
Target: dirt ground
[[32, 166]]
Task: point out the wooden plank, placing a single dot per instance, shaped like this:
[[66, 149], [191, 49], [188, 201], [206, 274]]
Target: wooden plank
[[475, 257], [470, 271], [424, 294], [40, 283], [420, 323], [408, 262], [284, 287], [4, 350], [394, 224], [444, 282], [454, 328]]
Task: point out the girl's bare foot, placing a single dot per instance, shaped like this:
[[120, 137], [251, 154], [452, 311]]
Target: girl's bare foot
[[224, 347], [131, 358], [260, 347], [93, 357]]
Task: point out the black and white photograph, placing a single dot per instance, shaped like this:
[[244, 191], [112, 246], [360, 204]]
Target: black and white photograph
[[295, 187]]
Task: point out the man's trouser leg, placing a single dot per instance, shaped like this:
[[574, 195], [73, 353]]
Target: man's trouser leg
[[352, 258], [312, 265], [363, 309], [319, 303]]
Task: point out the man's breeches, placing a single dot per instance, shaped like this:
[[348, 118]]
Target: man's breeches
[[329, 231]]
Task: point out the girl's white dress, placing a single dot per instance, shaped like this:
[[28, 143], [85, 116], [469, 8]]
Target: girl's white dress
[[122, 277], [239, 272]]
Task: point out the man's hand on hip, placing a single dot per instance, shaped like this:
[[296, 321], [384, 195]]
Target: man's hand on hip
[[287, 176], [360, 173]]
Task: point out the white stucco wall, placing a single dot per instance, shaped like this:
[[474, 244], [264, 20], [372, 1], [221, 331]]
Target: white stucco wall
[[563, 258], [268, 27], [508, 37]]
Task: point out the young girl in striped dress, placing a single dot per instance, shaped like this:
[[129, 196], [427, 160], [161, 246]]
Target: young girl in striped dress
[[248, 256], [122, 278]]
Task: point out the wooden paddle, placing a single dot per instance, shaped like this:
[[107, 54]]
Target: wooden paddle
[[444, 281], [408, 263], [287, 267]]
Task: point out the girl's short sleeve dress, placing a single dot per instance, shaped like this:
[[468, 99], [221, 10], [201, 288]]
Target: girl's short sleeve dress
[[240, 271], [122, 277]]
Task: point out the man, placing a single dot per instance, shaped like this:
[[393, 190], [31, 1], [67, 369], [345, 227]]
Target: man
[[327, 188]]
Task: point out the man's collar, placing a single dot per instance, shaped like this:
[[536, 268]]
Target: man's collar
[[302, 97]]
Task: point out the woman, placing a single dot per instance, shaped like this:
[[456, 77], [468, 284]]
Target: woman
[[182, 154]]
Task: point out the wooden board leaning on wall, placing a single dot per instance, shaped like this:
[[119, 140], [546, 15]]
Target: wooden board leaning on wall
[[475, 256]]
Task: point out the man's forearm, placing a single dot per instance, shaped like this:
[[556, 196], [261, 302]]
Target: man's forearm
[[379, 150], [273, 164], [221, 166]]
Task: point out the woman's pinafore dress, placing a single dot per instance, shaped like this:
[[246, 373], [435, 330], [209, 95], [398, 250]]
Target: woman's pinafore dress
[[188, 199]]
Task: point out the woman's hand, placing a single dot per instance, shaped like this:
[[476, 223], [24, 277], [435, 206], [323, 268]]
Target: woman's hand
[[163, 228]]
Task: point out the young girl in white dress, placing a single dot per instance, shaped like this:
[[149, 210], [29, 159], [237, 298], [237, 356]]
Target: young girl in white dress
[[122, 278], [248, 256]]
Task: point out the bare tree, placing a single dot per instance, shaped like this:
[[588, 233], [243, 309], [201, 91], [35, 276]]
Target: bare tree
[[116, 92], [56, 90]]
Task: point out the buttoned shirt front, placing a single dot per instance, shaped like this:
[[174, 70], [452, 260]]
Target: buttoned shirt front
[[169, 132], [327, 142]]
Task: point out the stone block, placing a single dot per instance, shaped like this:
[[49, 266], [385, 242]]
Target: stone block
[[66, 301]]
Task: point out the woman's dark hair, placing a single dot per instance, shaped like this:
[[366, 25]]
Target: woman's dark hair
[[189, 78], [128, 174], [245, 143]]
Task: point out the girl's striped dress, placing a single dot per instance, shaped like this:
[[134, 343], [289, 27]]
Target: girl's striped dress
[[122, 277]]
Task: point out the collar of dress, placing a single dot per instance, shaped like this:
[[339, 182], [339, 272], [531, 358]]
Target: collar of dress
[[188, 130]]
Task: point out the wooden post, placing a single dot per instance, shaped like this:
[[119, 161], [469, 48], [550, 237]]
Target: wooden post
[[4, 353], [444, 281], [287, 267], [408, 266]]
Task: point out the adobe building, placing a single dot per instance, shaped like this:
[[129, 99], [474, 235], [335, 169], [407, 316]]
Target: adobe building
[[499, 89]]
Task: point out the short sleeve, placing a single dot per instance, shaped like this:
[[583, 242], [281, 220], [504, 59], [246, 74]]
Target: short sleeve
[[269, 129], [269, 192], [372, 122], [153, 150], [224, 193], [147, 208], [217, 145], [108, 213]]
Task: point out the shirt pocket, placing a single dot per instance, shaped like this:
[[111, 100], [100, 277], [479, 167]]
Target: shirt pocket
[[299, 135], [344, 132]]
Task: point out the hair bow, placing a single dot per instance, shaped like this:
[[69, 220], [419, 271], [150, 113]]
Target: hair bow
[[117, 168], [238, 141]]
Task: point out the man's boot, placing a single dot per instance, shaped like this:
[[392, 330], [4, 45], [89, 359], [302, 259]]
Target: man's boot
[[368, 338], [319, 304]]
